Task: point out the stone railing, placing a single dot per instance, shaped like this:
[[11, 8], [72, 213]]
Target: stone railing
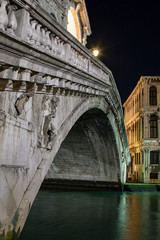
[[22, 20]]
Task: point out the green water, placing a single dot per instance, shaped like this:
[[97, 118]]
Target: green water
[[67, 215]]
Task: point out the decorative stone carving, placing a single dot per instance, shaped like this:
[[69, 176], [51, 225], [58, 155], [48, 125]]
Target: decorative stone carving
[[21, 101], [108, 110], [38, 31], [54, 8], [40, 36], [12, 21], [33, 38], [78, 6], [47, 131], [8, 19], [28, 34], [65, 4], [3, 14]]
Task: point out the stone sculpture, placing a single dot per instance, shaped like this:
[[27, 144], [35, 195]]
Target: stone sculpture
[[21, 101], [47, 132], [12, 21], [3, 14], [8, 19]]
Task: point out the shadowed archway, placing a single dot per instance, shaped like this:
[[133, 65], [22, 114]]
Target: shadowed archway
[[88, 153]]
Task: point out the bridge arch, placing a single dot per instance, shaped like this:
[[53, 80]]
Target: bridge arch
[[88, 156], [83, 107]]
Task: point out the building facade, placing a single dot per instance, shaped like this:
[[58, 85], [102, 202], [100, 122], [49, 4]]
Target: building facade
[[142, 122]]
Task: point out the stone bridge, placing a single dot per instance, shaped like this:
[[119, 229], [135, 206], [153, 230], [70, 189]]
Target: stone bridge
[[60, 111]]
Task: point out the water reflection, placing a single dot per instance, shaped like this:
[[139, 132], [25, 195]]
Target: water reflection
[[140, 216], [94, 215]]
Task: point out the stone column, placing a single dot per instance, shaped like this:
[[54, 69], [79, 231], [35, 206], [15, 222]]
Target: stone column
[[141, 128], [134, 131], [23, 18], [158, 128], [68, 52], [130, 135], [138, 130], [140, 166], [146, 102], [146, 165], [158, 95], [137, 101], [145, 159], [146, 126], [141, 98]]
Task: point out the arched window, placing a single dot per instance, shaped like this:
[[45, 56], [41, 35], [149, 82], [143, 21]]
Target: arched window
[[73, 25], [153, 126], [153, 96]]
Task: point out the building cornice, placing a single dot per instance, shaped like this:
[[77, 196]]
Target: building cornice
[[139, 84], [134, 92]]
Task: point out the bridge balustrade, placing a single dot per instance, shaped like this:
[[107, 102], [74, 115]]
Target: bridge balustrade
[[26, 21]]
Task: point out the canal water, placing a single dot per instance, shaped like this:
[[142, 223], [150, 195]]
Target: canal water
[[95, 215]]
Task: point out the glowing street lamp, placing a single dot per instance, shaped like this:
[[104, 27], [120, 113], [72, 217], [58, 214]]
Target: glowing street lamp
[[95, 52]]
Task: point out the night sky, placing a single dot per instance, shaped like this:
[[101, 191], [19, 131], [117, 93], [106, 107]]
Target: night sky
[[128, 34]]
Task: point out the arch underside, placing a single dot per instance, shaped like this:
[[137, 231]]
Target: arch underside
[[88, 154]]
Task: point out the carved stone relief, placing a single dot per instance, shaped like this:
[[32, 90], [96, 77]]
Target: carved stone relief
[[20, 104], [8, 19], [47, 131]]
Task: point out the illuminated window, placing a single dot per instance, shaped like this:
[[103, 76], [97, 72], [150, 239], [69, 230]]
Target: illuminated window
[[73, 25], [153, 96], [154, 157], [153, 126]]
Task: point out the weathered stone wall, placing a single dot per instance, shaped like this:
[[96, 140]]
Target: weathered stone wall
[[54, 8]]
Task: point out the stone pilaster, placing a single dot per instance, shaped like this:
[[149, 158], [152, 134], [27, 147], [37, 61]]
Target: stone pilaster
[[146, 126], [146, 164], [146, 101]]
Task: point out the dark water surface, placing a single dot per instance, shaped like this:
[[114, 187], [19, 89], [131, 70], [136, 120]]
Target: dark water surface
[[69, 215]]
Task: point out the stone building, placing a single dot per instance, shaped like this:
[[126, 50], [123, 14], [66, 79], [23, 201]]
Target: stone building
[[142, 122]]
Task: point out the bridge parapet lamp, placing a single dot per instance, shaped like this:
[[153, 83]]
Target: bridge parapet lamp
[[94, 51]]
